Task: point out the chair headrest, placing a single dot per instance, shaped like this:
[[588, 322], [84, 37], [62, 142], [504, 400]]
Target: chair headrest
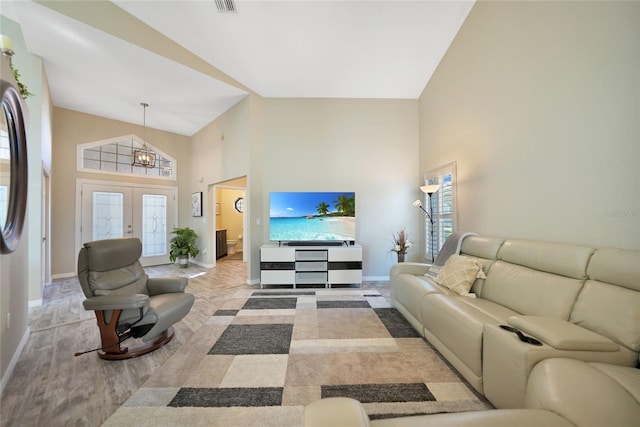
[[105, 255]]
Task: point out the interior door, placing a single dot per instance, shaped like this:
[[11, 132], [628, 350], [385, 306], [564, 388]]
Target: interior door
[[115, 211]]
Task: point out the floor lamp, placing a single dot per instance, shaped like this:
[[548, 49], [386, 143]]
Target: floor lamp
[[429, 190]]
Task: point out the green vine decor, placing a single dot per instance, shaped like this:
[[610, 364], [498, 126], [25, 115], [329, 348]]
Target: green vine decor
[[24, 91]]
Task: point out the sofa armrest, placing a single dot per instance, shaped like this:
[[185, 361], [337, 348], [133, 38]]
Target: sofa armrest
[[166, 285], [335, 411], [587, 394], [415, 268], [562, 335], [116, 302]]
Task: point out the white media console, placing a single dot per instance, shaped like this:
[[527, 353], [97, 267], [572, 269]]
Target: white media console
[[310, 265]]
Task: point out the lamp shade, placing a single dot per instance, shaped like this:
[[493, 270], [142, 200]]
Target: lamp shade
[[5, 43], [430, 189]]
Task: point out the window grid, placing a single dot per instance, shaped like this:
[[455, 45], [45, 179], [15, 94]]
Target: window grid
[[116, 157]]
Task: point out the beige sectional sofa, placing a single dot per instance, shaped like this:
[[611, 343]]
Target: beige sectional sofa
[[582, 304], [559, 393]]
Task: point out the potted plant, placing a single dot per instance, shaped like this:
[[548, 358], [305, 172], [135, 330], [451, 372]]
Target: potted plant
[[183, 245], [401, 244]]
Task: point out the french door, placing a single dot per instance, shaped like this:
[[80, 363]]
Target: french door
[[115, 211]]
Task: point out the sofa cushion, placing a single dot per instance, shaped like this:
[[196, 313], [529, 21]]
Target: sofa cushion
[[459, 274], [617, 266], [412, 289], [612, 311], [481, 247], [628, 378], [530, 292], [335, 411], [457, 322], [490, 418], [558, 258]]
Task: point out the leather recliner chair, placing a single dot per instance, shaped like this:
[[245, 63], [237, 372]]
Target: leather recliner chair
[[128, 303]]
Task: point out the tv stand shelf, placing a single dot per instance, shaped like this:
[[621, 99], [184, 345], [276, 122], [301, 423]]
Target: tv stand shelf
[[310, 265]]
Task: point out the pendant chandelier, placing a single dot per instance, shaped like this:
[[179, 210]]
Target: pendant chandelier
[[143, 157]]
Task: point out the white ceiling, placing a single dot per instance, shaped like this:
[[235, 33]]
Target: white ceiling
[[301, 49]]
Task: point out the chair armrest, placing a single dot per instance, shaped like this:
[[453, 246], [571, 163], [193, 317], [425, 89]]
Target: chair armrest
[[116, 302], [335, 411], [562, 335], [166, 285]]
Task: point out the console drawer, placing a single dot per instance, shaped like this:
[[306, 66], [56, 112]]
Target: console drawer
[[311, 266], [309, 277]]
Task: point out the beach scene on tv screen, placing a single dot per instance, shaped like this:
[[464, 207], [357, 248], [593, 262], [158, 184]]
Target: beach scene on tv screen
[[312, 216]]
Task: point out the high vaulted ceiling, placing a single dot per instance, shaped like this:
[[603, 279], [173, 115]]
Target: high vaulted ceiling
[[191, 63]]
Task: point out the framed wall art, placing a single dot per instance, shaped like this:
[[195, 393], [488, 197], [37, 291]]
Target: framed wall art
[[196, 203]]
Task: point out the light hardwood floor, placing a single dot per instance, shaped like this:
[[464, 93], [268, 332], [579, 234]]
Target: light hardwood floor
[[51, 387]]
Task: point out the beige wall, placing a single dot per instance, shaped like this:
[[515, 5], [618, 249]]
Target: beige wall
[[366, 146], [219, 153], [538, 102], [72, 128]]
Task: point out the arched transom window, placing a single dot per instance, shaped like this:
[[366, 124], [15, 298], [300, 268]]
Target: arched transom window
[[113, 156]]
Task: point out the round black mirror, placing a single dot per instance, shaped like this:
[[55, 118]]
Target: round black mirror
[[239, 204], [13, 164]]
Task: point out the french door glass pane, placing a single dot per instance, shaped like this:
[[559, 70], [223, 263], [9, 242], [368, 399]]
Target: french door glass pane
[[154, 225], [108, 214]]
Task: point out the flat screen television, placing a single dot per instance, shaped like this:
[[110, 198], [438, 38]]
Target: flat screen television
[[302, 216]]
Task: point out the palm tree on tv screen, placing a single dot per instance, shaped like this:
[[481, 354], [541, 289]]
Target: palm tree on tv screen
[[322, 208], [346, 205]]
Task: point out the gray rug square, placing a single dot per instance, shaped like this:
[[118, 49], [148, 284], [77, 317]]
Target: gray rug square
[[395, 323], [270, 303], [343, 304], [227, 397], [283, 293], [367, 393], [225, 312], [254, 339]]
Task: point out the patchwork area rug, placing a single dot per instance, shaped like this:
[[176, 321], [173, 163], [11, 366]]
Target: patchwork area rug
[[266, 354]]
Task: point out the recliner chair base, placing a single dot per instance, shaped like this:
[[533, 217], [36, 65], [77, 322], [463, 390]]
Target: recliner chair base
[[111, 349], [121, 353]]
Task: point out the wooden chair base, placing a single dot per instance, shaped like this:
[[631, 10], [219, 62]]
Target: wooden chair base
[[126, 353]]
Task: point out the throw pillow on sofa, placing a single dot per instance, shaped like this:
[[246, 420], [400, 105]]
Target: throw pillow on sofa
[[459, 273]]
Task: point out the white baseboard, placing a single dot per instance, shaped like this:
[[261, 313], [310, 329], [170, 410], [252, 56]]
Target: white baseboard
[[375, 279], [63, 276], [14, 360], [201, 264], [35, 303]]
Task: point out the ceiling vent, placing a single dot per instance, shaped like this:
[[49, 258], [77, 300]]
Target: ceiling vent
[[226, 6]]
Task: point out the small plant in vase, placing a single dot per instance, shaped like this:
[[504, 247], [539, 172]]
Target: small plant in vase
[[401, 244], [183, 246]]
